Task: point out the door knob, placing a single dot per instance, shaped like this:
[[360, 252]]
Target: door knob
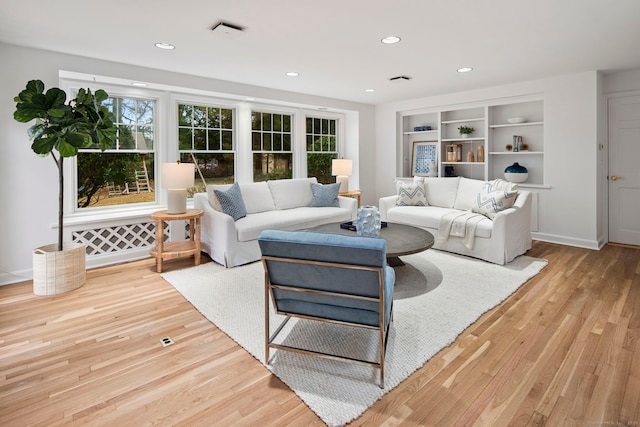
[[614, 178]]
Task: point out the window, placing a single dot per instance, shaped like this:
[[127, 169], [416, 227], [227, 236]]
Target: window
[[322, 147], [205, 138], [124, 173], [271, 145]]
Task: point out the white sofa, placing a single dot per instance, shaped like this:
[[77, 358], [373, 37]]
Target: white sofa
[[498, 240], [280, 204]]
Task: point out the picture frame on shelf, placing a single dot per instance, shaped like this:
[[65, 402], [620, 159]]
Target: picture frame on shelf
[[424, 156]]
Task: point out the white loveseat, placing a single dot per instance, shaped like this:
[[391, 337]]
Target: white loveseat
[[280, 204], [450, 203]]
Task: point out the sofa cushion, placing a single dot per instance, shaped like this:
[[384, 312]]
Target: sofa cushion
[[231, 202], [291, 193], [468, 189], [490, 201], [257, 197], [441, 191], [411, 194], [249, 228], [430, 216], [325, 195]]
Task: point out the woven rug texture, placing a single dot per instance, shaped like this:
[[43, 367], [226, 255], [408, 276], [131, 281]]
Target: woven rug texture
[[437, 296]]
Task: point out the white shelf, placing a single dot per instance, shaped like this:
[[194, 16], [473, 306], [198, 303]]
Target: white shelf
[[463, 139], [507, 153], [463, 163], [512, 125], [448, 122], [422, 132]]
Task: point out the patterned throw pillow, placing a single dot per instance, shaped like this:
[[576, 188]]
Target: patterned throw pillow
[[231, 202], [412, 194], [325, 195], [490, 200]]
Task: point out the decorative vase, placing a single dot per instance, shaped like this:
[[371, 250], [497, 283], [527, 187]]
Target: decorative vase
[[56, 272], [516, 173], [470, 157], [464, 135], [480, 157], [368, 221]]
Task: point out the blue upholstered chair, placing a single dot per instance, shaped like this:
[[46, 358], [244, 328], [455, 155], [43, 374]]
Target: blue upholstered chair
[[330, 278]]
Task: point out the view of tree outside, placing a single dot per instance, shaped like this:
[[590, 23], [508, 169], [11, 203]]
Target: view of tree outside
[[271, 145], [322, 147], [124, 173], [205, 138]]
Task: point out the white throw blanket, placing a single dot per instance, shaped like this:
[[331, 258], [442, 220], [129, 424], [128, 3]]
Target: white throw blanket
[[460, 224]]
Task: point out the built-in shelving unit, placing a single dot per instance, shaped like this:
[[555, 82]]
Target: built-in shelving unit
[[489, 142]]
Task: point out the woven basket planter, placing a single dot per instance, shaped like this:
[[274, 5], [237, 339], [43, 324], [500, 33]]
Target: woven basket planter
[[56, 272]]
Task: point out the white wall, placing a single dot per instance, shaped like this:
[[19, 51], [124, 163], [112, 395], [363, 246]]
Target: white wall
[[28, 184], [568, 211]]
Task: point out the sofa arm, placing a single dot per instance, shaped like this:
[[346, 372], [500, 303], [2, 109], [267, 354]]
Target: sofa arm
[[350, 204], [385, 204], [214, 225], [513, 225]]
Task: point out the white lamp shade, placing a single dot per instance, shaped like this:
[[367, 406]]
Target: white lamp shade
[[178, 175], [341, 167], [176, 178]]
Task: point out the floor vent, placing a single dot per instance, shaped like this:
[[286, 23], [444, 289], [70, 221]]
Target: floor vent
[[166, 341]]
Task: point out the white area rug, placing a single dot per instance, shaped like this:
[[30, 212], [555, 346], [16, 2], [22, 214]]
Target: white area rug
[[437, 296]]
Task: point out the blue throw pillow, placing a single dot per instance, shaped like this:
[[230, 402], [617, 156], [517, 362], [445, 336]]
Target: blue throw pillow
[[231, 202], [325, 195]]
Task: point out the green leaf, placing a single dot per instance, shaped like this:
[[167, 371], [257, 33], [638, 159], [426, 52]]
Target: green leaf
[[43, 146], [101, 95], [55, 112], [35, 86], [55, 98], [66, 149], [79, 140], [37, 130]]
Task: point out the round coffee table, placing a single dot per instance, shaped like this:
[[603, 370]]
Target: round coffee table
[[401, 239]]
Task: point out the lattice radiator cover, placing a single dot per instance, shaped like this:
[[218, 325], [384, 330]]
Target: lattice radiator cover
[[113, 239]]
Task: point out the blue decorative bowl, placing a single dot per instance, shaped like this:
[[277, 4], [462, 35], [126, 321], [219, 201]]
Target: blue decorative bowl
[[516, 173]]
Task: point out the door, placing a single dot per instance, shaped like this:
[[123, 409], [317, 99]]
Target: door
[[624, 170]]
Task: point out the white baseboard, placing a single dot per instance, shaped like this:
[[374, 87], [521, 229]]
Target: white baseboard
[[568, 241]]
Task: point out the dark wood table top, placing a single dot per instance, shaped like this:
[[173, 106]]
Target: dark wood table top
[[401, 239]]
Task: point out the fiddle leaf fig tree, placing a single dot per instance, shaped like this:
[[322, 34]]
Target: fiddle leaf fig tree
[[64, 127]]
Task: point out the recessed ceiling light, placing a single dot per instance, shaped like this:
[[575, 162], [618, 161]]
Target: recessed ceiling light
[[292, 74], [390, 40], [166, 46], [369, 90], [465, 69], [140, 84]]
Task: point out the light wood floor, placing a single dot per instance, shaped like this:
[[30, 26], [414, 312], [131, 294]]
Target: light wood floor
[[563, 350]]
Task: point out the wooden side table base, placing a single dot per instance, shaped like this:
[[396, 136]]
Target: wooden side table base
[[172, 250]]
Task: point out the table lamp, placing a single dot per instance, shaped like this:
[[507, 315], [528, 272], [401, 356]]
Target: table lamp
[[176, 178], [342, 169]]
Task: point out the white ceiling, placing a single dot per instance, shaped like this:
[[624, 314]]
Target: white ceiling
[[335, 44]]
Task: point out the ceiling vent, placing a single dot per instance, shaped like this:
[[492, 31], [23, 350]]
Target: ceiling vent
[[400, 79], [226, 30]]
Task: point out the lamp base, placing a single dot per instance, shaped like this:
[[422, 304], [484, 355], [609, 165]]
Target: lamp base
[[344, 183], [177, 201]]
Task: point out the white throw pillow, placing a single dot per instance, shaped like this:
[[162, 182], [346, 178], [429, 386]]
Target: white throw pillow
[[291, 193], [257, 197], [490, 201], [441, 191], [412, 194], [468, 189]]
